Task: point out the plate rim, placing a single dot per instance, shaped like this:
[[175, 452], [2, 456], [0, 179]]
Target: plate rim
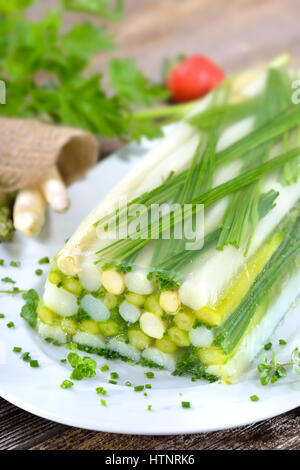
[[135, 427], [138, 431]]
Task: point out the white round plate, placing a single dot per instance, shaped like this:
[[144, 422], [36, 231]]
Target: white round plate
[[37, 390]]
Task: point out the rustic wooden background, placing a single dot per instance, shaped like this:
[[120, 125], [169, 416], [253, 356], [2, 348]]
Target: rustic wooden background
[[235, 33]]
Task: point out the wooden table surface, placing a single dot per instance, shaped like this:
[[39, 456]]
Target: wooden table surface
[[235, 33]]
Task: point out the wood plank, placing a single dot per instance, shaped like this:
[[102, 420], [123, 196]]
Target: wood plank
[[19, 429], [236, 34], [279, 433], [22, 430]]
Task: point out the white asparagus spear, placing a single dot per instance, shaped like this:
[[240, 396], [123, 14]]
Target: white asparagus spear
[[55, 191], [29, 211]]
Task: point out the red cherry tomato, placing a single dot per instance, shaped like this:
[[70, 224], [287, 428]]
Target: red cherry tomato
[[193, 77]]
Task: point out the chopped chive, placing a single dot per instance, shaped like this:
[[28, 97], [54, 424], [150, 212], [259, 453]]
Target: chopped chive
[[267, 346], [44, 260], [2, 315], [149, 407], [39, 272], [63, 361], [185, 404], [1, 262], [149, 375], [282, 342], [67, 384], [34, 363], [104, 368], [114, 375], [26, 357], [10, 324], [139, 388], [114, 382], [49, 340], [148, 386], [103, 402], [15, 264], [56, 343], [16, 349], [145, 394], [120, 249], [101, 391], [72, 346], [128, 384], [254, 398], [8, 280]]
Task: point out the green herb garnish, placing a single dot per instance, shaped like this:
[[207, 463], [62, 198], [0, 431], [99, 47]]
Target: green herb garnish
[[16, 349], [103, 402], [8, 280], [26, 357], [44, 260], [185, 404], [104, 368], [71, 93], [271, 371], [150, 375], [241, 216], [254, 398], [10, 324], [282, 342], [15, 264], [139, 388], [229, 335], [101, 391], [121, 249], [38, 272], [83, 367], [29, 310], [67, 384], [114, 375], [34, 363]]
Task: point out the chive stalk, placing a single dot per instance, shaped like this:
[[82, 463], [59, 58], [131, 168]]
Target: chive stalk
[[232, 331]]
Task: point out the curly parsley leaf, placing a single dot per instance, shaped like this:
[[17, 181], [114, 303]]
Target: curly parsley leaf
[[83, 367], [131, 85], [96, 7], [85, 39], [13, 5], [68, 91], [29, 310]]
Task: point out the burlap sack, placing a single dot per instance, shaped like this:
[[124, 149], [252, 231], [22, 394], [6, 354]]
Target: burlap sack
[[28, 149]]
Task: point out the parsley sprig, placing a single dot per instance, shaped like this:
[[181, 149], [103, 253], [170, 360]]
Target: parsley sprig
[[70, 92], [83, 367], [272, 370], [29, 310]]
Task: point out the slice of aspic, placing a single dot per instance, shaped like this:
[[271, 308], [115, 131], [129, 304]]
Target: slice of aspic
[[214, 321]]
